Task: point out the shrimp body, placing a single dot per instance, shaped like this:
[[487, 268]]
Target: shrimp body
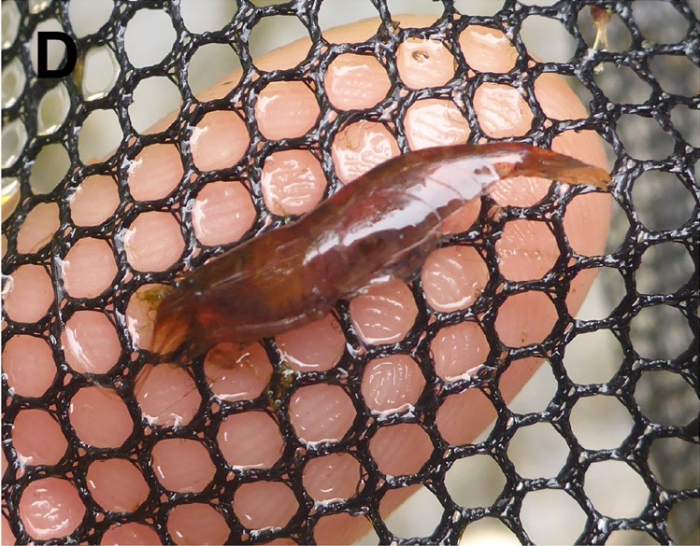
[[383, 225]]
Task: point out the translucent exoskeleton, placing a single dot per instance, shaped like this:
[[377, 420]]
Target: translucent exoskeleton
[[383, 225]]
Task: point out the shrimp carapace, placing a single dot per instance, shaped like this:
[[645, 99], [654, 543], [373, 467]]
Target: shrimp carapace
[[383, 225]]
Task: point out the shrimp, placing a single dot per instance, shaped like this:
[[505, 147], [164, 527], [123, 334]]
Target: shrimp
[[380, 227]]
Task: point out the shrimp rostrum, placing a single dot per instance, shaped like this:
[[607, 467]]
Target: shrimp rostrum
[[381, 226]]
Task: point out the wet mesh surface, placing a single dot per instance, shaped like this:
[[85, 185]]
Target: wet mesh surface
[[662, 405]]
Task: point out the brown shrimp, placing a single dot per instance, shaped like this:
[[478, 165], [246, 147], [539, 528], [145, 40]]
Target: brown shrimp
[[382, 226]]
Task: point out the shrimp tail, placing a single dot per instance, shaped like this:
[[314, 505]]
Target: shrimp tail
[[173, 325], [548, 164]]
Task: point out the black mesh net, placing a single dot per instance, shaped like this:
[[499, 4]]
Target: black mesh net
[[634, 64]]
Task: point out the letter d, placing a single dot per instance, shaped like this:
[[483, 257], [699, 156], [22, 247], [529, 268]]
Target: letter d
[[43, 70]]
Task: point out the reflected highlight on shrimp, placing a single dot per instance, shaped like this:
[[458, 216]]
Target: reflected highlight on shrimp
[[380, 227]]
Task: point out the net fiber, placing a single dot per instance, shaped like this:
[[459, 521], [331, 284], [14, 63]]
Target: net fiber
[[660, 409]]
